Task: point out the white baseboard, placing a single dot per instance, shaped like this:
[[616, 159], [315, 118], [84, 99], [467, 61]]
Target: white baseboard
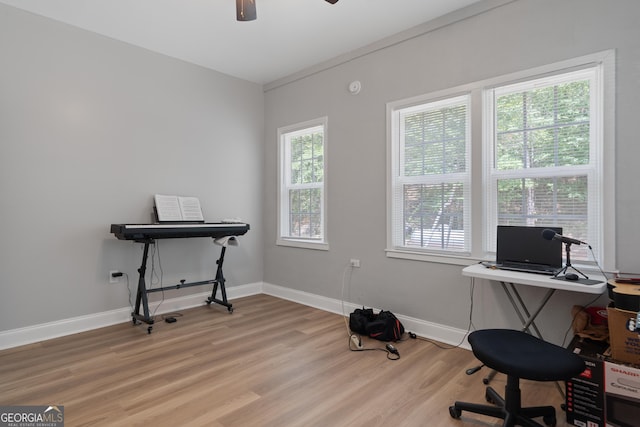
[[74, 325], [441, 333], [45, 331]]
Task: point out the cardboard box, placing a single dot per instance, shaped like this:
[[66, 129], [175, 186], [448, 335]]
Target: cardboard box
[[625, 345], [622, 395], [585, 396]]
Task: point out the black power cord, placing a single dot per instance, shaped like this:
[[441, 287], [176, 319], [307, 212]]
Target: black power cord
[[392, 351]]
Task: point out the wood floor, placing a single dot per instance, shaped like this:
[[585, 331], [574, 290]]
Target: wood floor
[[270, 363]]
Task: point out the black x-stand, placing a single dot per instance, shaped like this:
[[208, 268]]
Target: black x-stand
[[567, 250], [141, 296]]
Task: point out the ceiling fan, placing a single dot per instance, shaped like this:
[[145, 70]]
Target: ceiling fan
[[246, 9]]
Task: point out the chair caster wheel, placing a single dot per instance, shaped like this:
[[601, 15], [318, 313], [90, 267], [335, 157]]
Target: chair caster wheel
[[230, 309], [149, 330], [454, 412], [550, 421]]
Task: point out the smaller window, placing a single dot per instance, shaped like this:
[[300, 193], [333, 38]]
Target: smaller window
[[301, 216]]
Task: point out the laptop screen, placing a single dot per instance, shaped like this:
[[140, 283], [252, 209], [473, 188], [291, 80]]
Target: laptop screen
[[527, 246]]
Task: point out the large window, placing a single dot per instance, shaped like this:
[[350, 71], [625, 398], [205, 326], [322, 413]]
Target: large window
[[302, 185], [545, 169], [539, 153]]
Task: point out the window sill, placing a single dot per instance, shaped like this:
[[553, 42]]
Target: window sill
[[303, 244], [448, 258], [465, 260]]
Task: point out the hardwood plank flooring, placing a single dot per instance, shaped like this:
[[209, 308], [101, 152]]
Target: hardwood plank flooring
[[270, 363]]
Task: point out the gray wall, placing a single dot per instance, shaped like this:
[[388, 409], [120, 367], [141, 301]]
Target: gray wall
[[514, 36], [90, 129]]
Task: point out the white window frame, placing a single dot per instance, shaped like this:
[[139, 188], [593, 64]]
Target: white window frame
[[482, 213], [396, 112], [284, 178], [592, 170]]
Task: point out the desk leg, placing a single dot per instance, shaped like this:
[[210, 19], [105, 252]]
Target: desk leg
[[532, 317], [141, 296], [529, 321], [220, 281]]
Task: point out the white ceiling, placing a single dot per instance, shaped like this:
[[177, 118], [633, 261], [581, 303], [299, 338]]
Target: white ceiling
[[288, 36]]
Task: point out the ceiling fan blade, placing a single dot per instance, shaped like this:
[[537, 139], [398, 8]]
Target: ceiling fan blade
[[246, 10]]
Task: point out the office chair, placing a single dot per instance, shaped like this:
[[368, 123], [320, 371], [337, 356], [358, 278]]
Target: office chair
[[519, 356]]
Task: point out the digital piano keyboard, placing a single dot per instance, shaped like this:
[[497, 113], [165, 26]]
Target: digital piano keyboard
[[148, 233], [175, 231]]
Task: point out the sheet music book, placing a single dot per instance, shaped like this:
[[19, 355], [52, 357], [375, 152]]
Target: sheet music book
[[178, 208]]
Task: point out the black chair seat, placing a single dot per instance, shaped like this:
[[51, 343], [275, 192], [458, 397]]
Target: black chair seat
[[524, 356], [518, 355]]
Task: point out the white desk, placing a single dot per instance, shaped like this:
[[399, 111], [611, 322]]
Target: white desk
[[539, 280], [509, 280]]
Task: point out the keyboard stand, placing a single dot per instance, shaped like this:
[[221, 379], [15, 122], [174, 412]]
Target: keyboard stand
[[142, 291]]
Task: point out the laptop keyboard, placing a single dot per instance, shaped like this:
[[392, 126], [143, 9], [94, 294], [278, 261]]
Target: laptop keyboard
[[529, 268]]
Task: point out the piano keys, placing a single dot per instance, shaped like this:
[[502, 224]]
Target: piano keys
[[141, 232]]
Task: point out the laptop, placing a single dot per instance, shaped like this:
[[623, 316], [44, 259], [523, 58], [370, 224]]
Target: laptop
[[524, 249]]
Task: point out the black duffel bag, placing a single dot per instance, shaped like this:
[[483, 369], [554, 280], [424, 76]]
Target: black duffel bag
[[383, 326]]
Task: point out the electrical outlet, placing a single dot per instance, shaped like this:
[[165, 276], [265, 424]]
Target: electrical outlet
[[354, 262], [112, 278]]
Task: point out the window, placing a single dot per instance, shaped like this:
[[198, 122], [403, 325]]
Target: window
[[301, 215], [539, 153], [545, 163], [431, 177]]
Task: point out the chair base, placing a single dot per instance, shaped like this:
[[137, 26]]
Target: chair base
[[508, 409]]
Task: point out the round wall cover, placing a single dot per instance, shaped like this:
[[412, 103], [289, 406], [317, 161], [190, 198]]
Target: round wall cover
[[354, 87]]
